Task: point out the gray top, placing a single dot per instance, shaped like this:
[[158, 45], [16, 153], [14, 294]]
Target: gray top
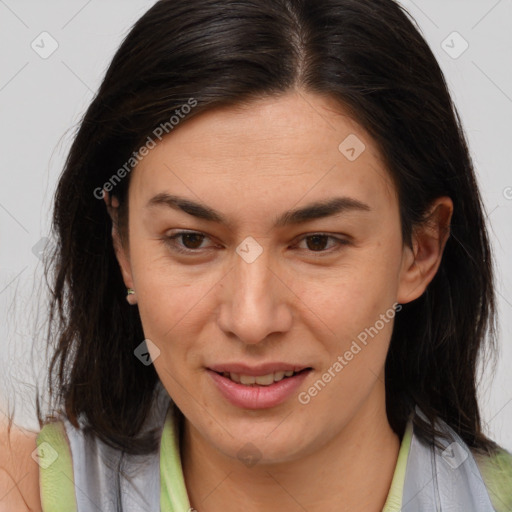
[[443, 480]]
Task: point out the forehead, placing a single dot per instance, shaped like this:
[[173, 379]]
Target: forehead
[[272, 149]]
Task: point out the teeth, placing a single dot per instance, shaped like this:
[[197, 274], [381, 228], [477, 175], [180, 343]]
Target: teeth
[[234, 376], [261, 380], [278, 376], [265, 380], [247, 379]]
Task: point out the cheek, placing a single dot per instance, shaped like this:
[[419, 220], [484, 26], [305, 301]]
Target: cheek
[[170, 310], [174, 304], [353, 312], [358, 291], [166, 291]]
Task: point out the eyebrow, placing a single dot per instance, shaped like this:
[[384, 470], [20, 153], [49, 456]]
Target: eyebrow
[[312, 211]]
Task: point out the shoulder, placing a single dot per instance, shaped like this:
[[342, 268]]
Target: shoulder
[[496, 470], [19, 470]]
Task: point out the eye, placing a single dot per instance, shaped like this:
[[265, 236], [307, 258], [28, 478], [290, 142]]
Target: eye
[[316, 242], [192, 241]]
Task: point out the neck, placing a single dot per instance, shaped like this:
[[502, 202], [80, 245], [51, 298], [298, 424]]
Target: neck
[[351, 472]]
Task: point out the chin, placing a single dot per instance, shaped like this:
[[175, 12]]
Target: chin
[[263, 442]]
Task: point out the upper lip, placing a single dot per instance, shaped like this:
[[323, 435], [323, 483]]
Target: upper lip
[[258, 370]]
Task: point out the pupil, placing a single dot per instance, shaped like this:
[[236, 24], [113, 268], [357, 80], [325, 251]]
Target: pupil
[[188, 236], [316, 238]]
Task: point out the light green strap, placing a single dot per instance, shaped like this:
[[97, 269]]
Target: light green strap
[[56, 482], [394, 499], [173, 493], [496, 471]]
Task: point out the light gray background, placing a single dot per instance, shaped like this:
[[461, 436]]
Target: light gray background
[[41, 101]]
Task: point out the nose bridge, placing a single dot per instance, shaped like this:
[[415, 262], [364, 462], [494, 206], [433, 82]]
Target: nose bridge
[[252, 274], [252, 286], [254, 303]]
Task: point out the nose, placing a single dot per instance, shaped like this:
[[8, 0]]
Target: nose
[[256, 300]]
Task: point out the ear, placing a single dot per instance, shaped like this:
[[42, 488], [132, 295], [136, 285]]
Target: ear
[[421, 262], [122, 253]]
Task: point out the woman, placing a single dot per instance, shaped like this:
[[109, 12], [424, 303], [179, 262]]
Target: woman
[[270, 217]]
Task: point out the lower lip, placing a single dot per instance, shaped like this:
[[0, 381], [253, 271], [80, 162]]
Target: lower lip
[[258, 397]]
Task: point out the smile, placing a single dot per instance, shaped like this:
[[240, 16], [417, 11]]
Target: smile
[[258, 389]]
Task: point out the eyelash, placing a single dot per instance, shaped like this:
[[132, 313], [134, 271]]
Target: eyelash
[[170, 241]]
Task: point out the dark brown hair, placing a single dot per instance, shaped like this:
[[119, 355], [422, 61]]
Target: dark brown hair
[[366, 54]]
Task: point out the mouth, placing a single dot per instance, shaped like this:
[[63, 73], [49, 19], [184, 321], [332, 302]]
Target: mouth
[[260, 387]]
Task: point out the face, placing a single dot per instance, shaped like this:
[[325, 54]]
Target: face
[[250, 291]]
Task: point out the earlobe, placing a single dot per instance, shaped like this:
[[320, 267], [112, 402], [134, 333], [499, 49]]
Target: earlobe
[[130, 296], [421, 262]]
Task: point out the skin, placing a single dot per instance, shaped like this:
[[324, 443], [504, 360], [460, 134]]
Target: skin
[[19, 473], [252, 163]]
